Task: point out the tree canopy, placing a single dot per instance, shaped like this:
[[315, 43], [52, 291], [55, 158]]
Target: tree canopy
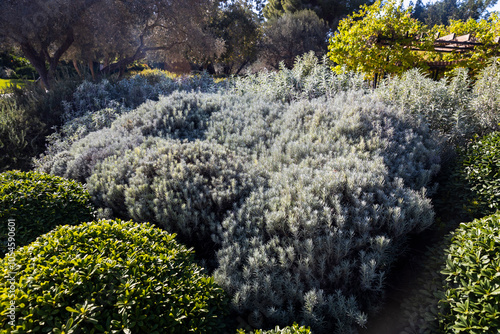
[[355, 45], [292, 35], [385, 39], [331, 11], [115, 32], [238, 26], [442, 11]]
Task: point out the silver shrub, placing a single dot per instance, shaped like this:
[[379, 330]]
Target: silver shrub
[[180, 115], [347, 180], [486, 98], [184, 187], [309, 78], [131, 92], [305, 186], [328, 231], [455, 106]]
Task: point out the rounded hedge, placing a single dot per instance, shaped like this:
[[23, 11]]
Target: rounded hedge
[[35, 203], [108, 276], [472, 275], [480, 167]]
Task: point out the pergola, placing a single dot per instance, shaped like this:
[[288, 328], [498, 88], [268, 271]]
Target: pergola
[[449, 43]]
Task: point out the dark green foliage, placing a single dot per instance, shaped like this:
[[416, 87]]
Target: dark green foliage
[[292, 35], [331, 11], [39, 202], [14, 67], [441, 12], [109, 276], [480, 169], [238, 26], [472, 297]]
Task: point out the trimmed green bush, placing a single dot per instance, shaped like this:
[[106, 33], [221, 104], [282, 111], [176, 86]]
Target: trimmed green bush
[[480, 169], [472, 297], [37, 203], [109, 276]]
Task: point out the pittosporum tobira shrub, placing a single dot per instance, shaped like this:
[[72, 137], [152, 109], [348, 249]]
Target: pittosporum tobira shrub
[[36, 203], [472, 289], [108, 276], [478, 172]]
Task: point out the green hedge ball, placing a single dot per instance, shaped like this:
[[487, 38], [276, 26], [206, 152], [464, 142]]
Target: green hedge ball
[[106, 276]]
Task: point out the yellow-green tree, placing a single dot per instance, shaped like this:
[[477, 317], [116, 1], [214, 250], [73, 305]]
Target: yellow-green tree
[[484, 32], [378, 39], [385, 39]]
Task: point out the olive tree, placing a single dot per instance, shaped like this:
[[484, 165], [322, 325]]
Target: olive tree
[[114, 32]]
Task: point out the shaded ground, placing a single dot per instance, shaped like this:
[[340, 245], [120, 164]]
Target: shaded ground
[[410, 286]]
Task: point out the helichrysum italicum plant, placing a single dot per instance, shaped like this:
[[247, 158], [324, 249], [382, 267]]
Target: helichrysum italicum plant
[[347, 180], [486, 98], [186, 188], [304, 183], [178, 116]]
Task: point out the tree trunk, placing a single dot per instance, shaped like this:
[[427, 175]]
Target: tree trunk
[[38, 62], [91, 67], [75, 65], [39, 59]]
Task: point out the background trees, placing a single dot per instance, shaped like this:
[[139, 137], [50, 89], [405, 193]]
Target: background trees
[[238, 26], [42, 30], [331, 11], [440, 12], [291, 35], [114, 32]]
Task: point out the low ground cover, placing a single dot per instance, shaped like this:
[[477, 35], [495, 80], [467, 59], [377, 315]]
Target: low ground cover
[[5, 84]]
